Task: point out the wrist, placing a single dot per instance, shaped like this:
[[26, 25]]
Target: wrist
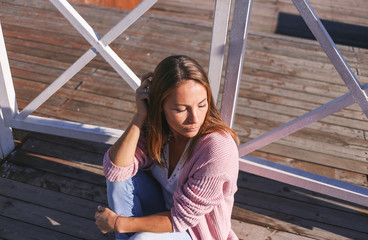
[[118, 224], [138, 120]]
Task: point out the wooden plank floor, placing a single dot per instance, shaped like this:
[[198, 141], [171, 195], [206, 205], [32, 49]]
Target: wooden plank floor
[[51, 187], [52, 182]]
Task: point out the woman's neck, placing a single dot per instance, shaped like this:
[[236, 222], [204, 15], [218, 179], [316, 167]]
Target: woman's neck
[[179, 139]]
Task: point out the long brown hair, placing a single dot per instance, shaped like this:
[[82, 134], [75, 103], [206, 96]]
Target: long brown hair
[[169, 74]]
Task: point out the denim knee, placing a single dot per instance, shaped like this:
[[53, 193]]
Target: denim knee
[[137, 196], [161, 236]]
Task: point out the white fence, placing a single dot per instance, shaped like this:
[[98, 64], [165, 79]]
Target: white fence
[[10, 117]]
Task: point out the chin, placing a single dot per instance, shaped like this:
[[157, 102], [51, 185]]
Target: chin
[[187, 133], [190, 134]]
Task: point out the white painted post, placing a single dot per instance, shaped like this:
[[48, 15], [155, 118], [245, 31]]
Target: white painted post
[[218, 44], [8, 102], [6, 138], [235, 59]]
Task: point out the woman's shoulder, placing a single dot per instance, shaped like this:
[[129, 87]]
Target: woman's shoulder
[[218, 138], [215, 152], [217, 144]]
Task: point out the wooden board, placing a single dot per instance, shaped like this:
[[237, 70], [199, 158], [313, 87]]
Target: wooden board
[[305, 211]]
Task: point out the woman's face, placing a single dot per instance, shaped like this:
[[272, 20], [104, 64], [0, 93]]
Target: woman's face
[[185, 109]]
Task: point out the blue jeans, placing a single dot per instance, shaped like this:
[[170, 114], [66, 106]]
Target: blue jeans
[[139, 196]]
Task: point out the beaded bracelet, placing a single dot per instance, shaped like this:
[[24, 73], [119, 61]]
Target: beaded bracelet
[[116, 220]]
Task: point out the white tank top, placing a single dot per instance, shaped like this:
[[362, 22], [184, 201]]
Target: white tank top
[[168, 185]]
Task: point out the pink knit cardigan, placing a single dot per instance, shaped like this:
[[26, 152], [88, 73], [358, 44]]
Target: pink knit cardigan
[[204, 199]]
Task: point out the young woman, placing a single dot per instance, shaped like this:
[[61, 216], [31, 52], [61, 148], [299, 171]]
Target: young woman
[[191, 155]]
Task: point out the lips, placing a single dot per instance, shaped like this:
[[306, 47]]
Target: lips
[[194, 129]]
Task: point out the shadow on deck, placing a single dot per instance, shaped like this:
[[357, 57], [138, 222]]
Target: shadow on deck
[[341, 33]]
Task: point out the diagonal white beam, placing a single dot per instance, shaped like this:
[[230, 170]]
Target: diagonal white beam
[[336, 58], [127, 21], [298, 123], [57, 84], [110, 36], [106, 52]]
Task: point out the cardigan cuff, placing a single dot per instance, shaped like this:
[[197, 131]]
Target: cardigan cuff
[[114, 173]]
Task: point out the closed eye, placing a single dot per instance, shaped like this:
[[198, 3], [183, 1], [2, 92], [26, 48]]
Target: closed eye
[[179, 110], [203, 103]]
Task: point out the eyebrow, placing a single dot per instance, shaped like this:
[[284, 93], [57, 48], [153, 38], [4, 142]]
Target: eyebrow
[[179, 104], [202, 101]]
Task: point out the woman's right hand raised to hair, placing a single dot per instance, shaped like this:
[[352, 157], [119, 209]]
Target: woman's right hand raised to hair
[[123, 150], [142, 98]]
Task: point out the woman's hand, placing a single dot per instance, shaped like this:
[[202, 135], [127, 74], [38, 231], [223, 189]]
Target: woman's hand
[[142, 97], [105, 219]]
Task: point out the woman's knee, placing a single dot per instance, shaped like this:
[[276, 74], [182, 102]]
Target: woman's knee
[[122, 199], [161, 236], [136, 196]]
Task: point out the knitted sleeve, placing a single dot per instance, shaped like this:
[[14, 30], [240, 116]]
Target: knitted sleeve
[[114, 173], [212, 178]]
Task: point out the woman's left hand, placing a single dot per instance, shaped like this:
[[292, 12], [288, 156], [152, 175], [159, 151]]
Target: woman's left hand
[[105, 219]]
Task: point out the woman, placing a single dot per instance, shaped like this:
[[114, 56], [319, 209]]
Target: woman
[[177, 134]]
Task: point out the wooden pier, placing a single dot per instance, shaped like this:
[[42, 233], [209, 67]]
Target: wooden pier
[[51, 186]]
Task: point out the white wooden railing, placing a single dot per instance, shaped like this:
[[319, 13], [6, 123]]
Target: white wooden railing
[[10, 117]]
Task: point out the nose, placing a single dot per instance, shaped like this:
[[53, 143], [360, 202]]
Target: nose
[[193, 117]]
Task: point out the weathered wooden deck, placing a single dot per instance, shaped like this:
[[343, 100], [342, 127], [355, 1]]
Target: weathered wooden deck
[[50, 186]]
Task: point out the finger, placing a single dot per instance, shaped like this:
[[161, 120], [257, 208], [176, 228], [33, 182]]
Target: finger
[[101, 230], [147, 76], [144, 88], [146, 83], [142, 93], [97, 214]]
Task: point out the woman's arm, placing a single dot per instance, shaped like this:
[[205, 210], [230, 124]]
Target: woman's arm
[[108, 221], [156, 223], [213, 175], [122, 152]]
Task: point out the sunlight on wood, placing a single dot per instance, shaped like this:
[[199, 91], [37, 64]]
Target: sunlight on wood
[[125, 4], [97, 169], [53, 222]]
